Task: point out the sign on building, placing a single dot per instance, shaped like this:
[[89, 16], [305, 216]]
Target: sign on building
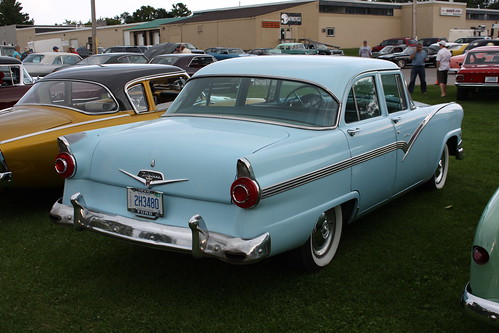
[[291, 18], [446, 11]]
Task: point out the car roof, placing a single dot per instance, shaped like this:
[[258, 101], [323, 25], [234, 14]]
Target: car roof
[[485, 48], [9, 60], [329, 72], [111, 74]]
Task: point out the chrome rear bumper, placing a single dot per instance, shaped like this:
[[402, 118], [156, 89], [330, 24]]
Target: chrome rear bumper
[[480, 308], [195, 239]]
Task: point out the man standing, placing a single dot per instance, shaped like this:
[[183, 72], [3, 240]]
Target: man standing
[[364, 50], [443, 66], [418, 58]]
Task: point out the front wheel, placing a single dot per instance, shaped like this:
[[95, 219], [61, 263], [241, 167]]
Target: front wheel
[[401, 63], [323, 242], [437, 181]]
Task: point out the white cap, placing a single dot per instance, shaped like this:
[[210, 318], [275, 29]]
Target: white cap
[[442, 42]]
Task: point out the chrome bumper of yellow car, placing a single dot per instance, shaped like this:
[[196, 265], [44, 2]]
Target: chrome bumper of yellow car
[[195, 239], [480, 308]]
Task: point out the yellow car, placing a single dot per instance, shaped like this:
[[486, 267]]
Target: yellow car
[[457, 49], [75, 100]]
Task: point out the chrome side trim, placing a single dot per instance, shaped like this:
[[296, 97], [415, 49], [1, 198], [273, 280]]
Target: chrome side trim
[[479, 308], [62, 127], [195, 238], [331, 169]]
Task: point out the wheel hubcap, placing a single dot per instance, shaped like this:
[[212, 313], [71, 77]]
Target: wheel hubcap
[[322, 235], [440, 169]]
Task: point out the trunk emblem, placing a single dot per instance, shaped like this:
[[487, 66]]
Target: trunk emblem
[[151, 178]]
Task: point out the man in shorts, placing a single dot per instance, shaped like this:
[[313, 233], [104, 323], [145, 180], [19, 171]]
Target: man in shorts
[[443, 66]]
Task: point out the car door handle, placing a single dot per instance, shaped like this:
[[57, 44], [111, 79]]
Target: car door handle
[[353, 131], [396, 119]]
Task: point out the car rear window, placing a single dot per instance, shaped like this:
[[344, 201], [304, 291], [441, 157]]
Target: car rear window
[[87, 97], [287, 102]]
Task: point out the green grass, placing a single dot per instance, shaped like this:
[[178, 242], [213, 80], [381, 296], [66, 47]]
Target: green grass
[[400, 269]]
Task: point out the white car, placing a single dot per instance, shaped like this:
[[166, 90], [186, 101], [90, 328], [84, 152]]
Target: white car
[[43, 63]]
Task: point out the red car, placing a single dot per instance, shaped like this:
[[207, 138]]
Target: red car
[[479, 72], [14, 81], [395, 41]]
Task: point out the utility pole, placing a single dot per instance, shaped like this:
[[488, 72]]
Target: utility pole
[[94, 28], [414, 18]]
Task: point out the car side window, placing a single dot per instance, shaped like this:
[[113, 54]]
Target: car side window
[[362, 102], [9, 75], [70, 60], [138, 97], [57, 61], [393, 88], [166, 89]]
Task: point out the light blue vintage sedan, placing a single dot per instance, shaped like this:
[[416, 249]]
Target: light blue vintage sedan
[[258, 156]]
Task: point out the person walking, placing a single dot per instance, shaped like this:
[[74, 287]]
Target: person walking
[[418, 58], [443, 66], [364, 50]]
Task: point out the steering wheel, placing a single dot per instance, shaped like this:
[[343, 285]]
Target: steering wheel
[[311, 100]]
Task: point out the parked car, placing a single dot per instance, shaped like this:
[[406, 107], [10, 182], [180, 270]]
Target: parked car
[[6, 50], [74, 100], [389, 50], [481, 42], [295, 48], [457, 49], [14, 81], [467, 39], [322, 49], [169, 48], [258, 156], [481, 294], [191, 63], [43, 63], [109, 58], [222, 53], [265, 51], [85, 52], [126, 48], [402, 58], [479, 72], [431, 40], [395, 41]]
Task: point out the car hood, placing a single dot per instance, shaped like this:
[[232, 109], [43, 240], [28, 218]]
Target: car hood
[[201, 152], [19, 121]]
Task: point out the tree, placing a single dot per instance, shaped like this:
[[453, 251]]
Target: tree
[[10, 13], [180, 10], [144, 14]]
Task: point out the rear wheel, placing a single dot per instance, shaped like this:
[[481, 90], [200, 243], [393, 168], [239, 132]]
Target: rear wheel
[[438, 179], [323, 242]]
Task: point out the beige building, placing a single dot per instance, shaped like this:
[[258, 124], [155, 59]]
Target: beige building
[[333, 22]]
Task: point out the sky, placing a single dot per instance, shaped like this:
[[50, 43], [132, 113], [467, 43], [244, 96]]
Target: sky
[[50, 12]]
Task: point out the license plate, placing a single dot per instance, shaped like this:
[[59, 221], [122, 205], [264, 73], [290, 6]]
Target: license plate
[[491, 79], [145, 202]]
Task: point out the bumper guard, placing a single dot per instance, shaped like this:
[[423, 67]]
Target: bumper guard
[[195, 239]]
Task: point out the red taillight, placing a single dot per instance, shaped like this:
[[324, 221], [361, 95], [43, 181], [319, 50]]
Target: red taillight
[[459, 78], [65, 165], [245, 192], [480, 255]]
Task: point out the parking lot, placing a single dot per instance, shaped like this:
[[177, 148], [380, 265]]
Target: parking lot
[[431, 76]]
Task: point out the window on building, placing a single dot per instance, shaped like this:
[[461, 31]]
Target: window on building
[[330, 32]]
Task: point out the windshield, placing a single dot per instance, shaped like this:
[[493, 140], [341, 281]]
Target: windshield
[[85, 96], [286, 102], [94, 60]]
